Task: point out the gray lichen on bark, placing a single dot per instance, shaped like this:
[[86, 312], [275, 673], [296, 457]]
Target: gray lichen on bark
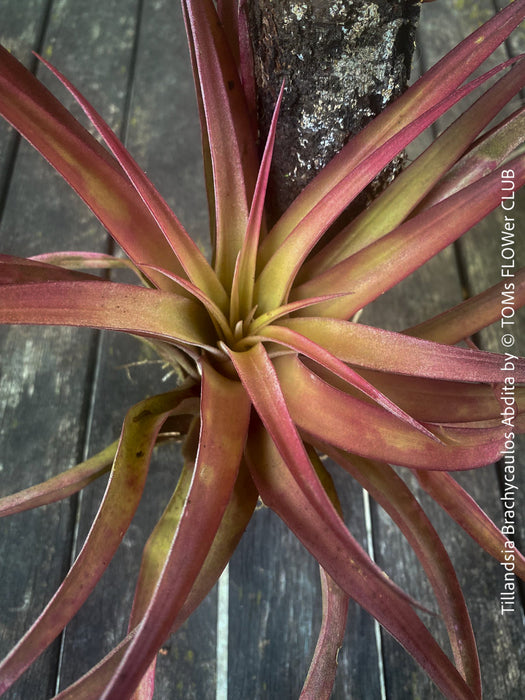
[[342, 61]]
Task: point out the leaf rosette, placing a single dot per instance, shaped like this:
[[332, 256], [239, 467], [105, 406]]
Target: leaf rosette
[[277, 371]]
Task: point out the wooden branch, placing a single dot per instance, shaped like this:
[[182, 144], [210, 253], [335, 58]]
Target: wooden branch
[[342, 61]]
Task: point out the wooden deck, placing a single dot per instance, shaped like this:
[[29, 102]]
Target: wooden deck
[[64, 393]]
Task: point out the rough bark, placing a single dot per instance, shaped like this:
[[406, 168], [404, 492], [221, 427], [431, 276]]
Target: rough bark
[[343, 61]]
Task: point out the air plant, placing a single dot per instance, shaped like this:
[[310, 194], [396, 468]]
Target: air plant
[[276, 370]]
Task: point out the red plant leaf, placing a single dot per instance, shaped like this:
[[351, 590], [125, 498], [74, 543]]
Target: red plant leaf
[[15, 270], [91, 685], [487, 153], [359, 427], [387, 351], [462, 508], [284, 487], [214, 311], [321, 674], [228, 14], [61, 486], [228, 133], [190, 257], [393, 495], [153, 558], [406, 248], [237, 514], [233, 524], [278, 274], [470, 316], [436, 401], [244, 275], [75, 260], [329, 361], [434, 86], [120, 501], [396, 202], [122, 307], [233, 16], [225, 411], [261, 382], [85, 165], [285, 310]]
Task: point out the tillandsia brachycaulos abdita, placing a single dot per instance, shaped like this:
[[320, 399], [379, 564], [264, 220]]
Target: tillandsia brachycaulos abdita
[[276, 372]]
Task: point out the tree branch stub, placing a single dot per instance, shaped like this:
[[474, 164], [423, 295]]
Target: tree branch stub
[[342, 61]]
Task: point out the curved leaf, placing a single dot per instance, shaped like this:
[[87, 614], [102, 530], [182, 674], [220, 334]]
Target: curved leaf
[[75, 260], [85, 165], [225, 411], [279, 272], [236, 517], [331, 362], [269, 317], [356, 426], [260, 380], [114, 306], [228, 132], [91, 685], [470, 316], [462, 508], [216, 315], [486, 154], [392, 494], [186, 250], [436, 401], [321, 673], [438, 82], [61, 486], [395, 203], [387, 351], [325, 536], [120, 501], [406, 248], [14, 270]]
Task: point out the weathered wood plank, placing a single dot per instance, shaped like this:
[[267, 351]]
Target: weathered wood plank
[[21, 28], [44, 375], [275, 611]]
